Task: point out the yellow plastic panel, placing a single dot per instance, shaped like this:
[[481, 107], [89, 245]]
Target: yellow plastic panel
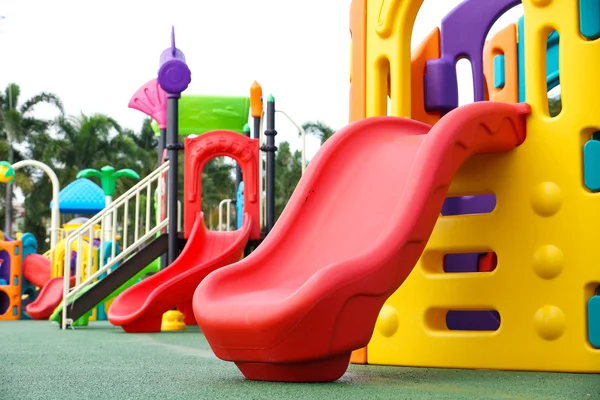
[[544, 230], [388, 35]]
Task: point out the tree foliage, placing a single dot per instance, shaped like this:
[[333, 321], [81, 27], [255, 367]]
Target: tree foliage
[[318, 129], [288, 171]]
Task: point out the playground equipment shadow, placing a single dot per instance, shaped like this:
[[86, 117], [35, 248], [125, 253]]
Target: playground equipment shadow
[[38, 361]]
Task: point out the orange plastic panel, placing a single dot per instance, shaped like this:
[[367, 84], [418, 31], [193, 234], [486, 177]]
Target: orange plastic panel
[[256, 102], [359, 356], [358, 26], [504, 42], [13, 288]]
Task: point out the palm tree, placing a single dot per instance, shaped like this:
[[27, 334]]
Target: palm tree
[[18, 124], [86, 141], [146, 141], [108, 180], [319, 129]]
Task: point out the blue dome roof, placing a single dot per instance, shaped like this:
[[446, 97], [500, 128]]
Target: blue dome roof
[[81, 196]]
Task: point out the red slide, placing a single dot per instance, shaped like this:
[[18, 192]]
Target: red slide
[[36, 269], [356, 225], [47, 300], [140, 308]]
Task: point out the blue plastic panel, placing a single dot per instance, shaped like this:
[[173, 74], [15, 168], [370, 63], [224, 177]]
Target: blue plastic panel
[[594, 321], [591, 165], [589, 18], [552, 67], [499, 71], [239, 205]]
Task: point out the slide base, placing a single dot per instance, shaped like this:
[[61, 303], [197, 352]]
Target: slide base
[[172, 320], [323, 370]]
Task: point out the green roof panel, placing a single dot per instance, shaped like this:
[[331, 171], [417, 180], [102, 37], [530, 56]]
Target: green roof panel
[[199, 114]]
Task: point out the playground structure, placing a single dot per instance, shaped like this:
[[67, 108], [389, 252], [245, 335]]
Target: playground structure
[[435, 297], [32, 284], [18, 261], [142, 307], [518, 267], [464, 261]]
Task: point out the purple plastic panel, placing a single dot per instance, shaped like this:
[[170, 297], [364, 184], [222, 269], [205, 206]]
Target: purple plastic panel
[[4, 302], [463, 262], [5, 275], [481, 204], [73, 262], [5, 267], [174, 76], [465, 320], [463, 33]]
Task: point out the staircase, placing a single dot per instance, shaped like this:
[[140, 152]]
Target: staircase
[[134, 219]]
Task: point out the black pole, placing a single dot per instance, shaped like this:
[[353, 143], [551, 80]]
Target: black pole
[[239, 177], [270, 149], [174, 76], [173, 148], [162, 144], [256, 129]]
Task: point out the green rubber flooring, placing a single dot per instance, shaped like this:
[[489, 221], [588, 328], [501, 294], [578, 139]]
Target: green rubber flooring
[[38, 361]]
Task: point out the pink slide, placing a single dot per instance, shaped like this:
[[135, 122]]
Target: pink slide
[[353, 230], [140, 308], [36, 269]]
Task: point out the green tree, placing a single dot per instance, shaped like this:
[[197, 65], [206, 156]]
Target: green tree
[[18, 125], [288, 171], [84, 141], [17, 122], [217, 184], [318, 129], [146, 147], [555, 105]]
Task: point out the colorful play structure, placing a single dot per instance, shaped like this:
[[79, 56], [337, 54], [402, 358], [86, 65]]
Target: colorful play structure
[[423, 234], [31, 286], [465, 260]]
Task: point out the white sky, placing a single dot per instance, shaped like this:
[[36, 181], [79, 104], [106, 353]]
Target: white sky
[[96, 54]]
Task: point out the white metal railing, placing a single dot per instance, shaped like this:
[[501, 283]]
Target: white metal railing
[[228, 223], [144, 228]]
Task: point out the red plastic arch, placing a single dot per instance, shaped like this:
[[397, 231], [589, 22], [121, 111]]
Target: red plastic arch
[[199, 150]]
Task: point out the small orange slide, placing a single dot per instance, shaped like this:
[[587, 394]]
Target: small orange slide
[[353, 230], [140, 308], [36, 269]]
